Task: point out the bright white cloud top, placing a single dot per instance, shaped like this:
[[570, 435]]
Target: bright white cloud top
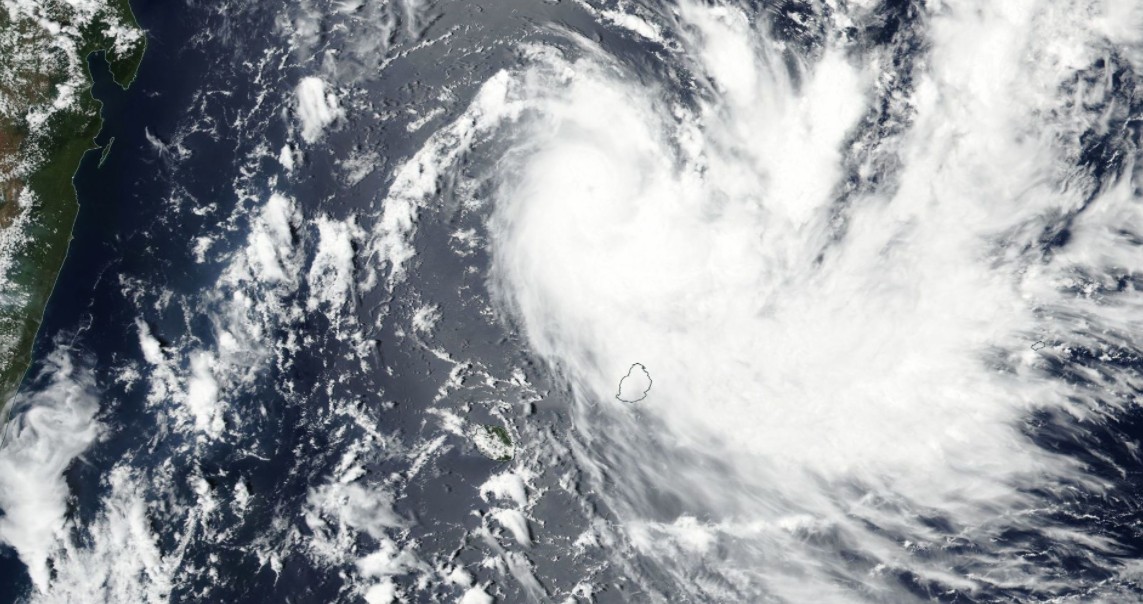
[[635, 385], [841, 265], [316, 109]]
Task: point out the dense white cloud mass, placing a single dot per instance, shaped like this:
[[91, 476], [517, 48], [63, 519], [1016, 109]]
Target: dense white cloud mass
[[846, 270], [57, 425], [858, 355], [317, 108], [635, 385]]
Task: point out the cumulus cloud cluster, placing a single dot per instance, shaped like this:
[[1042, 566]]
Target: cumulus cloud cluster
[[317, 108]]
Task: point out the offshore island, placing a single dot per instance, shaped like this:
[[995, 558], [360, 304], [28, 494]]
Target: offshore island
[[48, 121], [634, 386]]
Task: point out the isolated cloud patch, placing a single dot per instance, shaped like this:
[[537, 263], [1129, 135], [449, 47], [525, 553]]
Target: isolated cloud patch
[[317, 108]]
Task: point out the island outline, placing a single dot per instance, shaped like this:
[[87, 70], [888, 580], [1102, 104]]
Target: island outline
[[643, 395]]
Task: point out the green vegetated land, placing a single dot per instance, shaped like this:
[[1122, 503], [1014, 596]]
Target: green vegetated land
[[39, 156], [494, 442]]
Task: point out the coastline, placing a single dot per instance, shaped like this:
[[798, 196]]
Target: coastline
[[60, 145]]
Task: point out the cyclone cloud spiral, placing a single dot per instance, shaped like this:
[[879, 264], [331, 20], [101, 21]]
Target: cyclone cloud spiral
[[688, 301]]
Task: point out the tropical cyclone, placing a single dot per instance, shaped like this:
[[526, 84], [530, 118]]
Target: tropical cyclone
[[48, 120]]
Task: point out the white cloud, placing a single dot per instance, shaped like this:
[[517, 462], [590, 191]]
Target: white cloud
[[121, 560], [425, 318], [634, 386], [516, 523], [634, 23], [476, 595], [331, 275], [202, 395], [51, 427], [316, 108], [827, 344], [286, 158], [150, 345], [415, 181], [271, 242], [506, 485], [337, 512]]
